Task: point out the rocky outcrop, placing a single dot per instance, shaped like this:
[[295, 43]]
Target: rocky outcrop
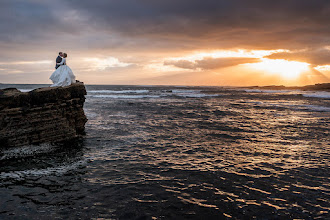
[[316, 87], [45, 115]]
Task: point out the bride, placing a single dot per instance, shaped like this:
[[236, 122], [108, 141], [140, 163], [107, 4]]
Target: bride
[[63, 75]]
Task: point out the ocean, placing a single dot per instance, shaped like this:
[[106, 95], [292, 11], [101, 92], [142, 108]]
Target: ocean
[[177, 152]]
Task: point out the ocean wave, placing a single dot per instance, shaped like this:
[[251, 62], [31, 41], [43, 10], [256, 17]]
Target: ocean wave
[[323, 95], [60, 170], [26, 151], [124, 96], [317, 108], [90, 114], [201, 95], [119, 91], [252, 90], [266, 91], [185, 91], [288, 105], [189, 93]]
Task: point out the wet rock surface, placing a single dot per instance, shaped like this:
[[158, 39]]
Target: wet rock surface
[[43, 115]]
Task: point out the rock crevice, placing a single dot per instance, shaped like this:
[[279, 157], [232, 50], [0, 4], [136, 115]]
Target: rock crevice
[[44, 115]]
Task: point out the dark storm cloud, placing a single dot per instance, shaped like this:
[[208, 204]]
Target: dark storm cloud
[[24, 22], [314, 57], [38, 29], [221, 23], [211, 63], [32, 30], [184, 24]]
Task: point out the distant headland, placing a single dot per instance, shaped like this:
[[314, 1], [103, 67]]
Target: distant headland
[[316, 87]]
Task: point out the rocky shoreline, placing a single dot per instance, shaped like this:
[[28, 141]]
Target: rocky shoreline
[[44, 115]]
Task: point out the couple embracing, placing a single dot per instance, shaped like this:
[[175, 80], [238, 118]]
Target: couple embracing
[[63, 75]]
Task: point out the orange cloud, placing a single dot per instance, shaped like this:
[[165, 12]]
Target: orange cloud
[[208, 63]]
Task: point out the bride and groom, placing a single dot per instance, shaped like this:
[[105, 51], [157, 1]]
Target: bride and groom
[[63, 75]]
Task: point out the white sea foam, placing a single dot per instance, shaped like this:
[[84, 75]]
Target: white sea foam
[[276, 91], [60, 170], [266, 91], [119, 91], [90, 114], [26, 151], [124, 96], [288, 105], [317, 108], [323, 95], [185, 91], [191, 93], [252, 90], [201, 95], [252, 102], [25, 90]]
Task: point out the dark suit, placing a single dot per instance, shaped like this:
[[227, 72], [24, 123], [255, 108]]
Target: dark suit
[[58, 60]]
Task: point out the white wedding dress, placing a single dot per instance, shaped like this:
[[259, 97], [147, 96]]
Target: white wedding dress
[[63, 75]]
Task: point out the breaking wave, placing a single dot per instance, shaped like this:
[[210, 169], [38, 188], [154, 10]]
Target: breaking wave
[[323, 95], [59, 170], [118, 91]]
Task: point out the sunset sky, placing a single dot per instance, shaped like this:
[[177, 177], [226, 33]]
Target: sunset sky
[[167, 42]]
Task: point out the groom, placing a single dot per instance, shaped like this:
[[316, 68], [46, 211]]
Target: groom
[[59, 59]]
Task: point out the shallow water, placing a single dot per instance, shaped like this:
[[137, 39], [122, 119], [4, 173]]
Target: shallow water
[[179, 153]]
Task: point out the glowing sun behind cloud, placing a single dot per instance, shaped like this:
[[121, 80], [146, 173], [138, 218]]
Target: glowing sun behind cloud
[[102, 64], [284, 68]]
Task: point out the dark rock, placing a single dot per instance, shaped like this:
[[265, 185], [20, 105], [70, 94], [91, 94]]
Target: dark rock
[[321, 86], [44, 115], [316, 87]]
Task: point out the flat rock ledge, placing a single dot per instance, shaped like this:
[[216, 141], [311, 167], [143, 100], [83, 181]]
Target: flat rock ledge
[[44, 115]]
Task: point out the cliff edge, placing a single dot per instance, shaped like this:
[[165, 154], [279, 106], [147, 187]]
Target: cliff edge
[[44, 115]]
